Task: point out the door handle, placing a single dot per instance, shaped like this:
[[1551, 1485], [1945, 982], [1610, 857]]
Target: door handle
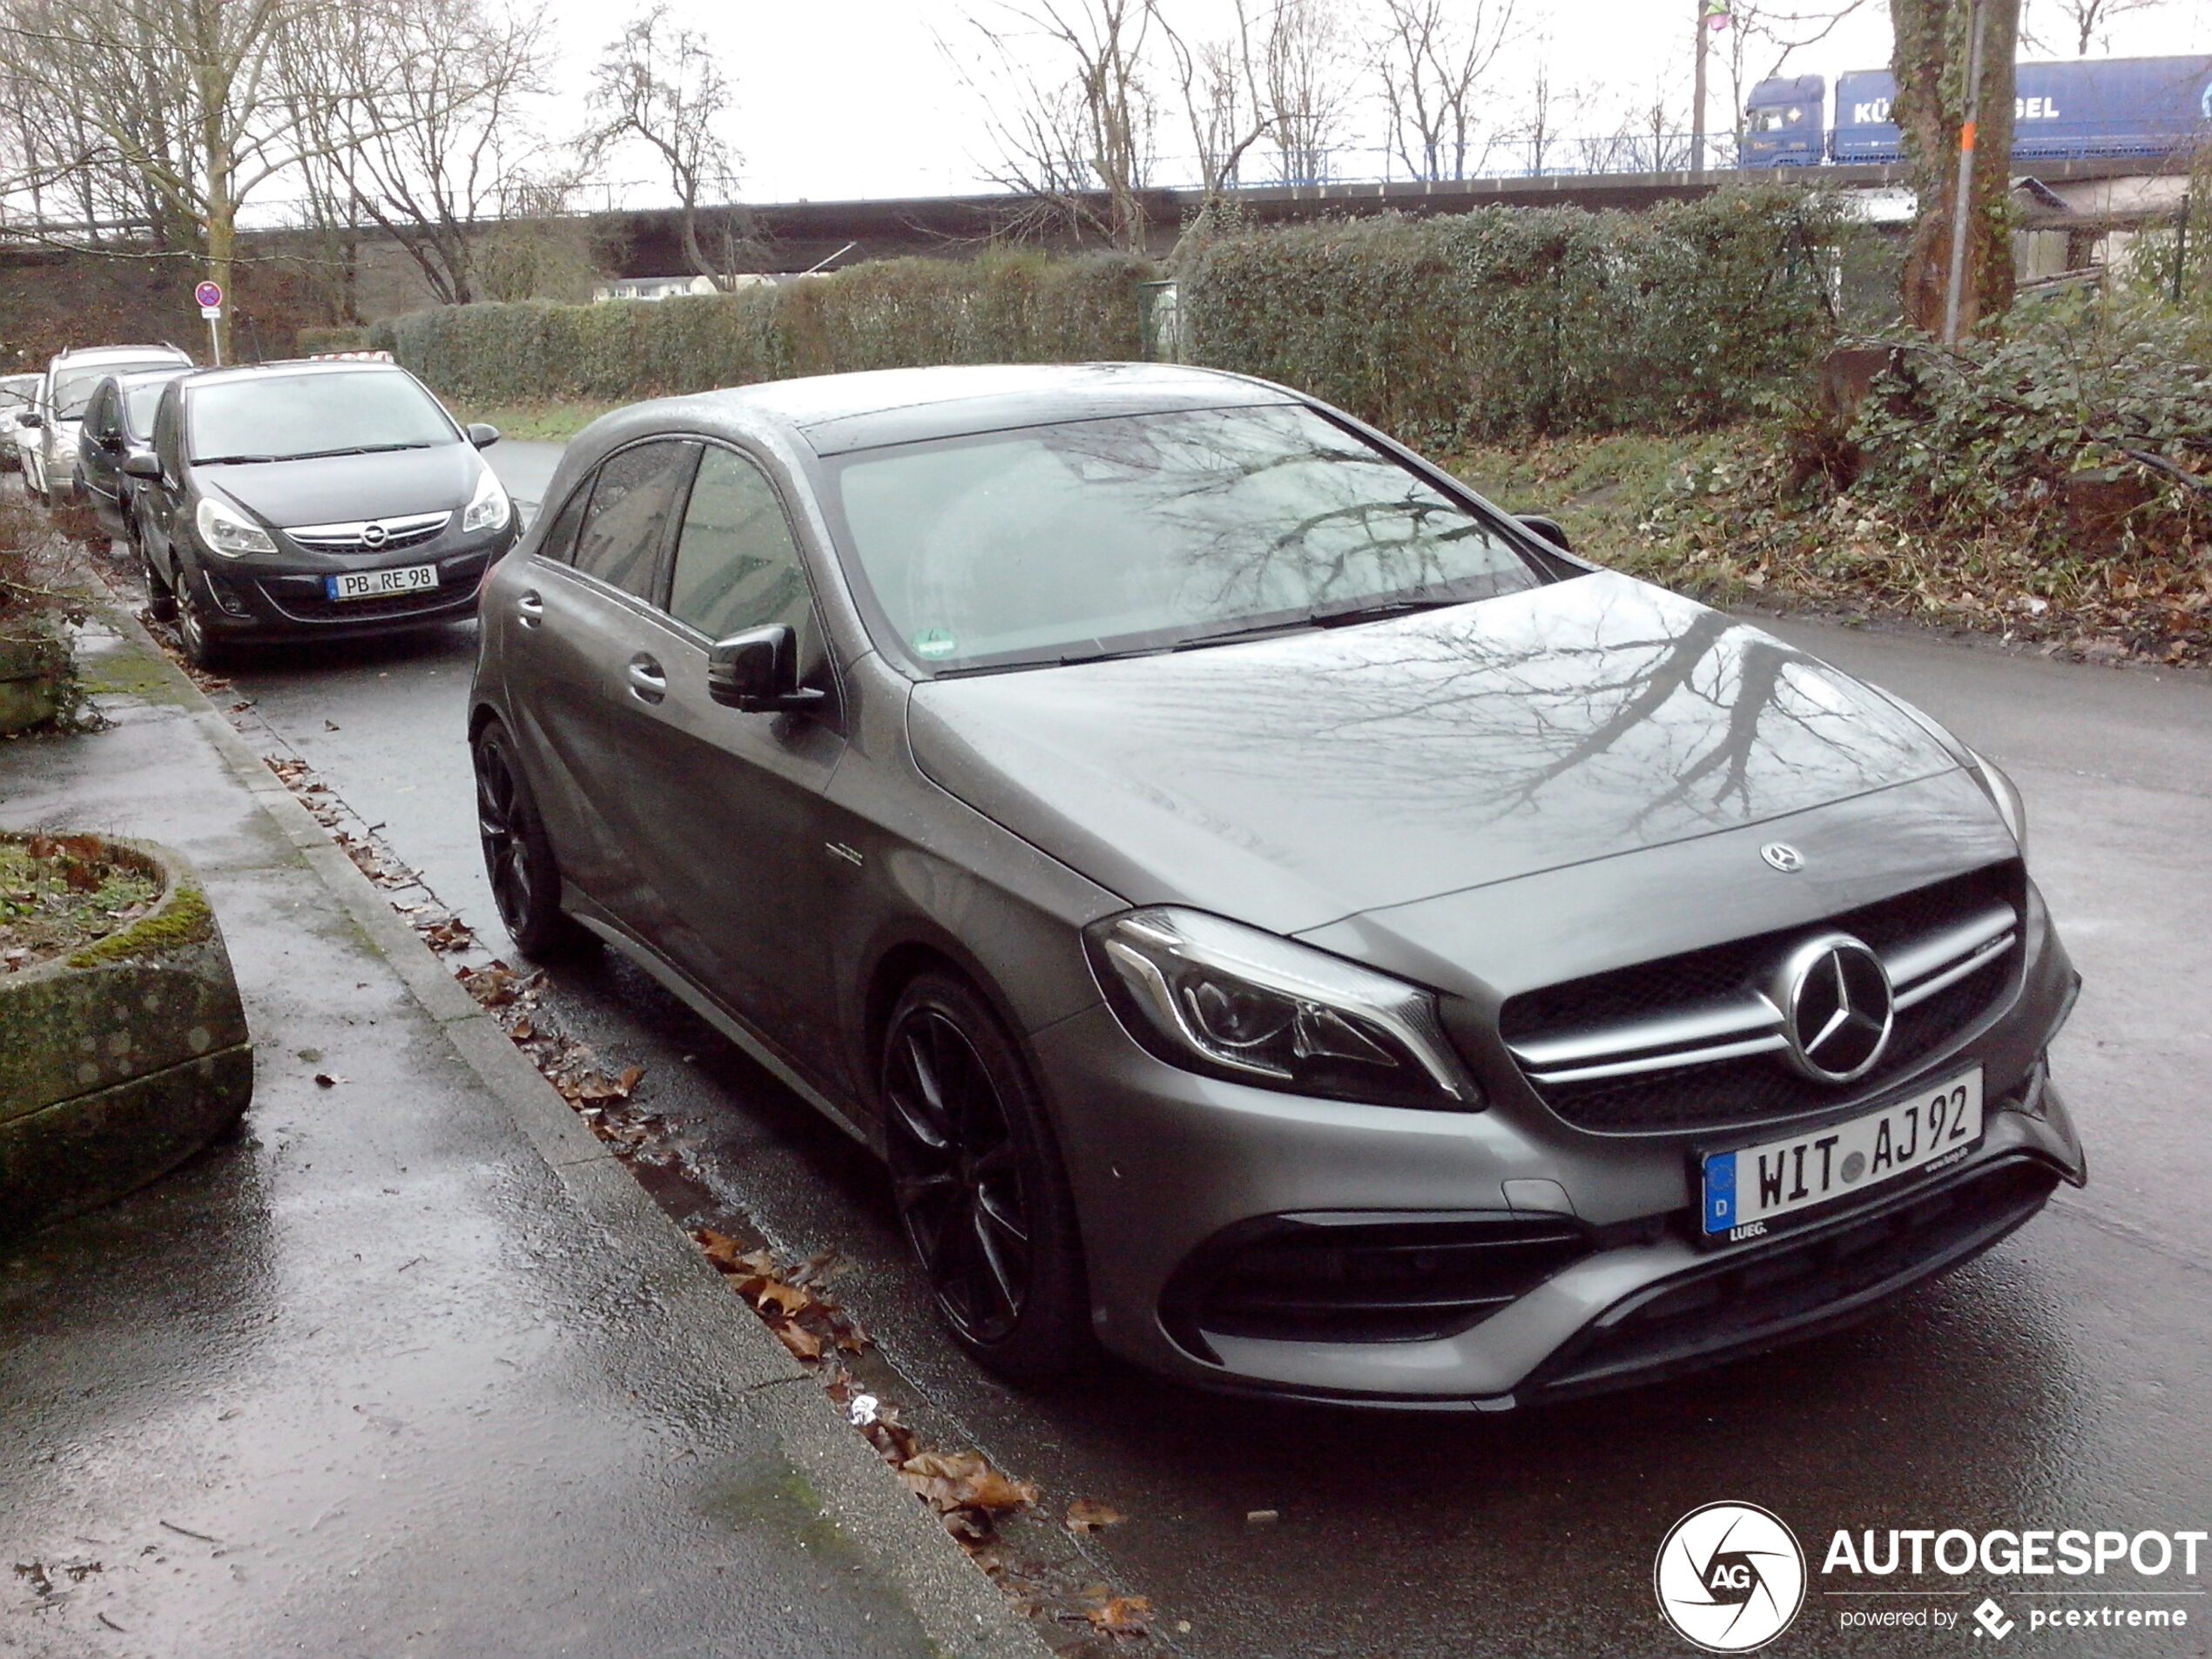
[[530, 609], [647, 683]]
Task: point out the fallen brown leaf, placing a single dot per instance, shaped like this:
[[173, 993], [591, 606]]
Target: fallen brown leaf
[[1089, 1514]]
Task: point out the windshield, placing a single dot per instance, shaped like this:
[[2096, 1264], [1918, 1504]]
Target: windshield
[[1148, 532], [73, 387], [283, 417], [138, 405]]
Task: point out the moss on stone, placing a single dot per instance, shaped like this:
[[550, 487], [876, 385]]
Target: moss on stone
[[185, 920]]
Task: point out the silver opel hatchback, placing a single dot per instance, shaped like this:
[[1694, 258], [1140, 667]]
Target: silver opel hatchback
[[1278, 916]]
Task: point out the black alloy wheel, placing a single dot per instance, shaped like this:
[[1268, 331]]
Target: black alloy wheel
[[518, 855], [202, 650], [161, 603], [978, 1183]]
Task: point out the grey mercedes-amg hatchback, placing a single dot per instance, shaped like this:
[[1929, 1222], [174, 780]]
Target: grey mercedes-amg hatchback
[[1278, 916]]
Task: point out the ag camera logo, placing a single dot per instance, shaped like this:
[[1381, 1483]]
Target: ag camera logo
[[1729, 1577]]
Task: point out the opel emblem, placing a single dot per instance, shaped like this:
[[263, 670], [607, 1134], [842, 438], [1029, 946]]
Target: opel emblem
[[374, 536], [1837, 1008], [1782, 857]]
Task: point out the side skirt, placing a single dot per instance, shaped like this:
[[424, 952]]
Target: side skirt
[[722, 1019]]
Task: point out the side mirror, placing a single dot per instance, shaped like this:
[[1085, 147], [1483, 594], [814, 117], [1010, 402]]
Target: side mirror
[[30, 418], [757, 671], [1548, 527], [142, 465], [481, 436]]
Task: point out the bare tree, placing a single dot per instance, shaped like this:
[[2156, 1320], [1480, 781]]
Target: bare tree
[[661, 85], [1305, 72], [1079, 124], [1222, 101], [439, 146], [2079, 24], [1430, 60], [1934, 46], [187, 96]]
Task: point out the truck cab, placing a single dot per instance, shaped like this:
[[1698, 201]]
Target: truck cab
[[1782, 124]]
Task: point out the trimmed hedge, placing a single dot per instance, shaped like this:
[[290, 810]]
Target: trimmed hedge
[[1445, 331], [889, 315], [1511, 319]]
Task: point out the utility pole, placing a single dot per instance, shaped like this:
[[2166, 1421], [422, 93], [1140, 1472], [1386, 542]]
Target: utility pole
[[1962, 198], [1698, 102]]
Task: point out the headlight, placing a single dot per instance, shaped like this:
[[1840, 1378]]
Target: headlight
[[2002, 791], [487, 507], [1215, 997], [224, 531]]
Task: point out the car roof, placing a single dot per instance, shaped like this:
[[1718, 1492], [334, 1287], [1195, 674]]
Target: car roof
[[150, 376], [285, 368], [837, 413], [92, 357]]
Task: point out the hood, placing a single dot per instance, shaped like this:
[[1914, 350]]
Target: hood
[[339, 489], [1293, 781]]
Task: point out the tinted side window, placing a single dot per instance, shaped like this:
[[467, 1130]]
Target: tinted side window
[[559, 536], [165, 422], [737, 566], [628, 518]]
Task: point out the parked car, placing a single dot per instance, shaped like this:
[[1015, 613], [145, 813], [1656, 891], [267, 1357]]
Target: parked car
[[49, 458], [312, 500], [18, 393], [118, 424], [1277, 916]]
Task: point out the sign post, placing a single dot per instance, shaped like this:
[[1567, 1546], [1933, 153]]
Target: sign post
[[209, 296]]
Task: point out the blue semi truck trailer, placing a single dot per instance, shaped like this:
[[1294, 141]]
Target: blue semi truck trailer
[[2115, 106]]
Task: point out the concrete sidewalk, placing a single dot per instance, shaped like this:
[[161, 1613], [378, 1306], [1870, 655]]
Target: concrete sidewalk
[[412, 1366]]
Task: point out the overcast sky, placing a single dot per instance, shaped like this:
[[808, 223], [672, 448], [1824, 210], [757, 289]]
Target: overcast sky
[[857, 98]]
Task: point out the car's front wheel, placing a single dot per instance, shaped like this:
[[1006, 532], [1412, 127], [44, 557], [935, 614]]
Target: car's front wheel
[[518, 854], [980, 1189], [202, 650]]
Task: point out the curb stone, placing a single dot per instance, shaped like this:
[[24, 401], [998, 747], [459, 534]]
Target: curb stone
[[959, 1609]]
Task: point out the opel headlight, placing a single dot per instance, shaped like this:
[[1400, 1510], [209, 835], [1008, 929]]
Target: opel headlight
[[222, 530], [1217, 997], [488, 508]]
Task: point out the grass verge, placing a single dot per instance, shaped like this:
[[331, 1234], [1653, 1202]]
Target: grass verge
[[552, 422]]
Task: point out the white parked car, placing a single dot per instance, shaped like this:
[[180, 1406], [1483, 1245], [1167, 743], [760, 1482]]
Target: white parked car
[[49, 431], [18, 393]]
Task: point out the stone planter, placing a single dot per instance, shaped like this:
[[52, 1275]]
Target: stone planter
[[122, 1059], [34, 678]]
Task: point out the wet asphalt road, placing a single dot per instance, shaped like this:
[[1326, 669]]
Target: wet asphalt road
[[2060, 1382]]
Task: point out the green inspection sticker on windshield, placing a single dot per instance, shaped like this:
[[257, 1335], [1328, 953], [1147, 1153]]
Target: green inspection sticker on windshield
[[933, 643]]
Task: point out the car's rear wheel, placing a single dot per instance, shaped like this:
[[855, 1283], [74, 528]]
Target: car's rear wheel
[[981, 1191], [161, 603], [518, 854]]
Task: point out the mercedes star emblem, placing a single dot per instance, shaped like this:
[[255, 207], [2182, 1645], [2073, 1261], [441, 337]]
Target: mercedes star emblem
[[1837, 1008], [1782, 857]]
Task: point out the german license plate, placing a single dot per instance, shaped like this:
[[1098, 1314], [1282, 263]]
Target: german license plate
[[381, 585], [1748, 1188]]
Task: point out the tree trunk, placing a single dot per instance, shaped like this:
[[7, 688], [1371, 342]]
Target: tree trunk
[[1933, 44]]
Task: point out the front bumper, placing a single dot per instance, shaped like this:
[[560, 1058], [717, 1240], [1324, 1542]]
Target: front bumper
[[283, 596], [1166, 1163]]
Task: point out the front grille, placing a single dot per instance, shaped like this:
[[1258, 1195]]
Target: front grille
[[1694, 1040], [1337, 1276], [410, 529], [1772, 1292]]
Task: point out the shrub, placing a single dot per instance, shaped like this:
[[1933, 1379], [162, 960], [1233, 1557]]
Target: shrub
[[1505, 321], [1002, 308]]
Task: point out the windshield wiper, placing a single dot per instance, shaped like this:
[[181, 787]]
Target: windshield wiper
[[230, 460], [355, 449], [1380, 609]]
